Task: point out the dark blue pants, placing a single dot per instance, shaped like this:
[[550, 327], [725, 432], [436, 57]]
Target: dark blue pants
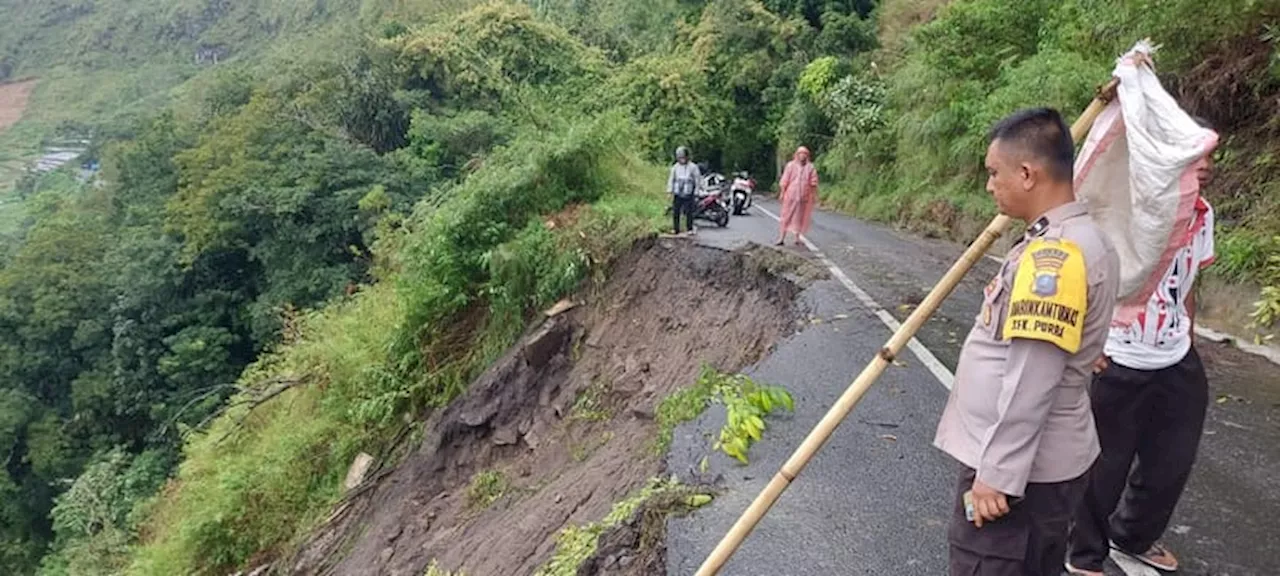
[[681, 205]]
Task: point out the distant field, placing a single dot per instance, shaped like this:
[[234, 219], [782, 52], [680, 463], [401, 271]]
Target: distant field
[[13, 100]]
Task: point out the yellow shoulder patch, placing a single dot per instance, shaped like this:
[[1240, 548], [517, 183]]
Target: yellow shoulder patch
[[1050, 294]]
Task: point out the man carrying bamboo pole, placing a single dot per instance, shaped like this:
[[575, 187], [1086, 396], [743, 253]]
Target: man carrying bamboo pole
[[1150, 397], [1018, 417]]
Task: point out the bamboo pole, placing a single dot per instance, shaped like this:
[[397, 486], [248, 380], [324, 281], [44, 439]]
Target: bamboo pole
[[820, 433]]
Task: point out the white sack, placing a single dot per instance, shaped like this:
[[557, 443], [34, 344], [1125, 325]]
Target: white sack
[[1136, 173]]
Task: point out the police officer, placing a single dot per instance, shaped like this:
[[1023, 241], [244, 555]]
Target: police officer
[[1018, 417]]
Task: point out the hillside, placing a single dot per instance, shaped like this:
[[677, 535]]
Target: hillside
[[316, 223], [412, 156], [96, 67], [907, 123]]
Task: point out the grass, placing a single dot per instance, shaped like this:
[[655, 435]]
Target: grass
[[575, 544], [434, 569], [973, 61], [1240, 253], [72, 103], [951, 69], [681, 406], [256, 481], [94, 77], [255, 477], [486, 487], [589, 405], [895, 19]]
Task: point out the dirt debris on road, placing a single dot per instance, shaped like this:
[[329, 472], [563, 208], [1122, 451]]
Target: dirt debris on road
[[562, 426]]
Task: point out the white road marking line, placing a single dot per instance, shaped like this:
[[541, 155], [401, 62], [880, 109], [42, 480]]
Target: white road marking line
[[926, 357]]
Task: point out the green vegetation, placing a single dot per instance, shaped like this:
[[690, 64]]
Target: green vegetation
[[486, 487], [908, 119], [316, 221], [184, 307], [589, 405], [1267, 310], [682, 406], [746, 404], [575, 544], [104, 66], [434, 569]]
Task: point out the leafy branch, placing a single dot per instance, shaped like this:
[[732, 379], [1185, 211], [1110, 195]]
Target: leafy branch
[[746, 404], [1266, 311]]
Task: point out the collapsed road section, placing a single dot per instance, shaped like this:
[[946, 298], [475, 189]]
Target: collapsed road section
[[563, 425]]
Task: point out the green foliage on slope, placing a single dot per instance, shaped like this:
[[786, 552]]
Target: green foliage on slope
[[419, 160], [293, 252], [947, 70]]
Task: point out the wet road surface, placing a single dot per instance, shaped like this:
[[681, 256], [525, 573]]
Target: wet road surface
[[876, 499]]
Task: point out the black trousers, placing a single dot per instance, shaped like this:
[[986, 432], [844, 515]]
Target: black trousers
[[682, 205], [1149, 424], [1031, 540]]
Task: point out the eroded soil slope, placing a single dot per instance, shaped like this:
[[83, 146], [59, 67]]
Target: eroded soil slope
[[564, 419], [13, 101]]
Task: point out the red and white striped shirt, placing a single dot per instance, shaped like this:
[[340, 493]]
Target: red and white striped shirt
[[1161, 334]]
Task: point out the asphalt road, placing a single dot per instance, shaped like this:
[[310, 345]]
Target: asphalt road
[[876, 498]]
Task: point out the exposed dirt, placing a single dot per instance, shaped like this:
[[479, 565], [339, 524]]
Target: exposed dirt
[[1230, 87], [1234, 89], [566, 419], [13, 101]]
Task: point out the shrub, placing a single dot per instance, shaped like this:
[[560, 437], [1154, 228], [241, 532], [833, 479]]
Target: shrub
[[260, 475]]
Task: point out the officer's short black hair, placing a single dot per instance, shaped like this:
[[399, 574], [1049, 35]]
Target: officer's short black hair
[[1202, 122], [1042, 133]]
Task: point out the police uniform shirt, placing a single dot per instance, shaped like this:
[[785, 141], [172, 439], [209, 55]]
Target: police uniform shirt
[[1019, 410]]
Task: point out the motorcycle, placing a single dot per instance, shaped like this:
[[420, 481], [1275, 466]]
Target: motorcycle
[[710, 205], [711, 202], [742, 192], [713, 182]]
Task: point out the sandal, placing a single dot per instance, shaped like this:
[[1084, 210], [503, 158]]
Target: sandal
[[1073, 571], [1157, 557]]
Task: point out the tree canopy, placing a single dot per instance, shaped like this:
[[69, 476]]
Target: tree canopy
[[342, 203]]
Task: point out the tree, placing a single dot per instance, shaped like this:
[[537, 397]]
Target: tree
[[670, 97], [53, 334]]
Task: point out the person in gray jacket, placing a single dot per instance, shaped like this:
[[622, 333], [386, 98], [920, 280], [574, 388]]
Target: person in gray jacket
[[682, 183]]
